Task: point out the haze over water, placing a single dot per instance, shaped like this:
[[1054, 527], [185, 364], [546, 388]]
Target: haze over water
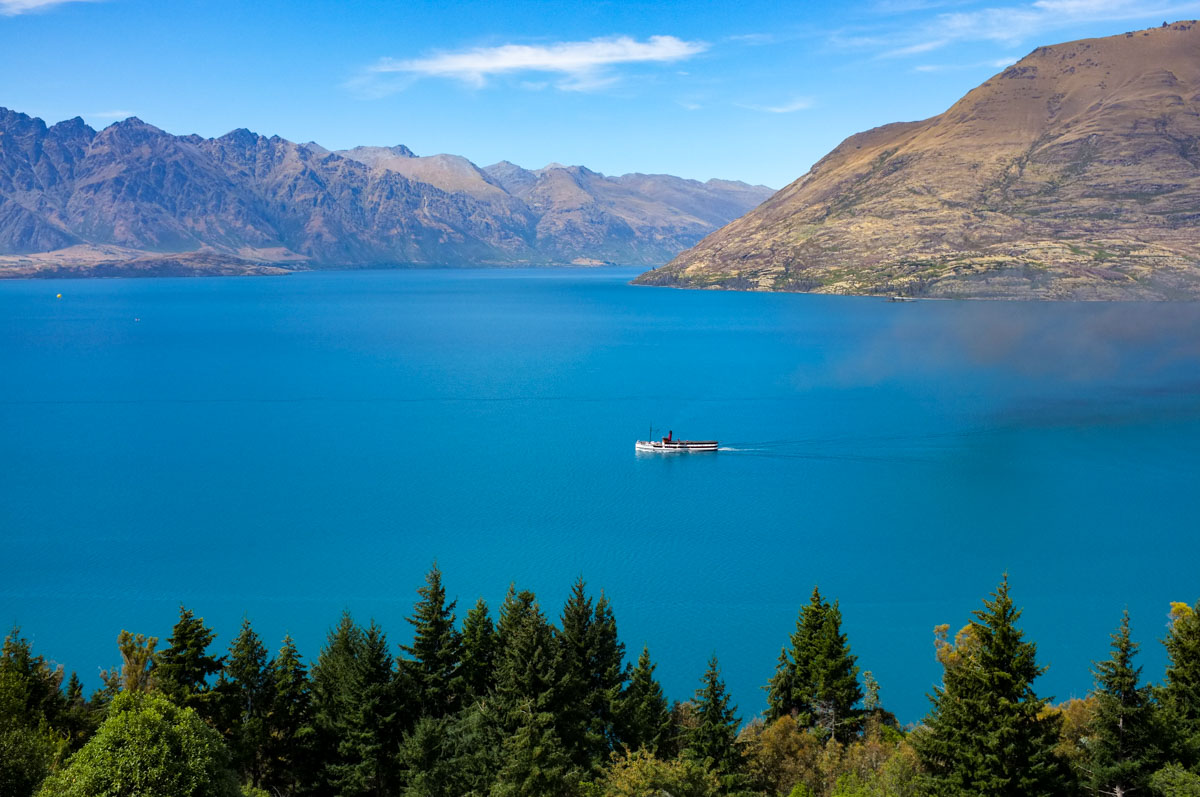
[[286, 448]]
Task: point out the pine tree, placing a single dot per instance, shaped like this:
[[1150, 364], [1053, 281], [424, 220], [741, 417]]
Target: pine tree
[[181, 670], [246, 693], [334, 681], [645, 714], [78, 719], [436, 650], [528, 661], [38, 682], [712, 740], [781, 689], [478, 652], [356, 712], [1124, 744], [833, 690], [535, 761], [290, 735], [1181, 694], [593, 674], [984, 735], [816, 681]]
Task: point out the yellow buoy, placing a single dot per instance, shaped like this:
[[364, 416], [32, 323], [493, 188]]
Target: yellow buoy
[[58, 296]]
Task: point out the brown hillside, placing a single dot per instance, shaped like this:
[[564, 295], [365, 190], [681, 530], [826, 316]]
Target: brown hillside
[[1074, 174]]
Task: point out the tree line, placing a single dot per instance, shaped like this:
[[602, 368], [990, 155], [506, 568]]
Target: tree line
[[522, 705]]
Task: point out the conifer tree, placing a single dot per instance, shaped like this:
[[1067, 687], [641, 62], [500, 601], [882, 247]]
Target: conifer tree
[[1181, 694], [1124, 744], [985, 734], [290, 736], [535, 764], [29, 700], [528, 659], [478, 652], [817, 680], [38, 683], [370, 725], [834, 690], [182, 669], [78, 719], [781, 689], [436, 650], [245, 692], [712, 740], [645, 715], [332, 675], [593, 674]]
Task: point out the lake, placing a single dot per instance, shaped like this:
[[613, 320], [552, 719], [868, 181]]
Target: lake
[[284, 448]]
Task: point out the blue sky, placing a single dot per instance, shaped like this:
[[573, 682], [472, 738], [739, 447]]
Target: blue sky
[[748, 90]]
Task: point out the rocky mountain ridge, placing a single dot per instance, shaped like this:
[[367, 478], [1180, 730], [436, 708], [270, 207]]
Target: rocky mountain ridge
[[1073, 174], [136, 199]]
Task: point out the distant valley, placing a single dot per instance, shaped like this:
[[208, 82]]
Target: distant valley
[[1073, 174], [132, 199]]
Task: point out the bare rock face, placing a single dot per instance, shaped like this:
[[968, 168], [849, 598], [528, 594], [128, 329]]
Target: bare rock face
[[1074, 174], [133, 199]]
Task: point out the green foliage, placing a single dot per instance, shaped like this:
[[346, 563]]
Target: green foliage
[[642, 774], [1124, 746], [1175, 781], [817, 680], [529, 662], [27, 754], [478, 653], [534, 761], [436, 650], [245, 696], [181, 671], [291, 739], [713, 741], [645, 716], [356, 711], [148, 747], [1181, 695], [986, 734], [456, 756], [593, 673], [30, 701], [37, 684]]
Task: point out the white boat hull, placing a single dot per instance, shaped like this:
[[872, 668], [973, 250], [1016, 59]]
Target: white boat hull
[[675, 446]]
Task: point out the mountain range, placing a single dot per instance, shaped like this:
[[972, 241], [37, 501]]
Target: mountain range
[[1073, 174], [132, 198]]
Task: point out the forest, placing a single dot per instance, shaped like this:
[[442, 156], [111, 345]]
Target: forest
[[526, 705]]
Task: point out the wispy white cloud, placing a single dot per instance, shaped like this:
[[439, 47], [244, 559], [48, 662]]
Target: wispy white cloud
[[798, 104], [1008, 25], [914, 49], [581, 65], [111, 114], [10, 8], [998, 63]]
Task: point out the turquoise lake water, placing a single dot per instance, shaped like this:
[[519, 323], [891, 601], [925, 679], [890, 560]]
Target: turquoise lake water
[[284, 448]]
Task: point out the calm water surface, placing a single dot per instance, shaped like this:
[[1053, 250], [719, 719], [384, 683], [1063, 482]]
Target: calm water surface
[[285, 448]]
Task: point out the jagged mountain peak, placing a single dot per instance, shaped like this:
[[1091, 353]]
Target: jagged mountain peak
[[255, 199]]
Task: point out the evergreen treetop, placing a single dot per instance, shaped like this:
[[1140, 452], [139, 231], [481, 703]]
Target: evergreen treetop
[[436, 649], [1124, 744], [477, 670], [290, 735], [985, 734], [646, 717], [181, 670], [712, 740]]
